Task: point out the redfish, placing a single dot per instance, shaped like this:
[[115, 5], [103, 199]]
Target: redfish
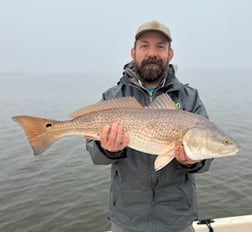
[[157, 129]]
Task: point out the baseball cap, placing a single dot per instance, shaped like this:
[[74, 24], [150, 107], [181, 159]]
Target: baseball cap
[[154, 26]]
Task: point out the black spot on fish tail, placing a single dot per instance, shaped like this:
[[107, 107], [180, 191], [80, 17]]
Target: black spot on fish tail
[[48, 125]]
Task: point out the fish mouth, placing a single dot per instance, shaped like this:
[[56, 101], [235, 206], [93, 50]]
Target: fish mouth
[[237, 147], [232, 151]]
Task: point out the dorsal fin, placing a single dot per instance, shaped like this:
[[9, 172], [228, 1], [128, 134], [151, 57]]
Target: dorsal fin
[[163, 101], [116, 103]]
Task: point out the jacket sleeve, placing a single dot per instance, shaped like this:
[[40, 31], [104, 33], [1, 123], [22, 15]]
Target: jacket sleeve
[[101, 156], [195, 105]]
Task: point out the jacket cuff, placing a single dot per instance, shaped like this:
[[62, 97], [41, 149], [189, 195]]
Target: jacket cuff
[[112, 155], [194, 168]]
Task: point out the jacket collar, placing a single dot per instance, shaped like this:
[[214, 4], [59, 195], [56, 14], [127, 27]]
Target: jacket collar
[[170, 81]]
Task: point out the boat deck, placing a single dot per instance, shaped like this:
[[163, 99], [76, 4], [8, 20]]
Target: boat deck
[[227, 224]]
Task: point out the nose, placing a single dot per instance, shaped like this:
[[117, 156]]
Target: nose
[[152, 52]]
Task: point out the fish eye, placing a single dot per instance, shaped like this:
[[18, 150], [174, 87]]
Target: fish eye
[[226, 142]]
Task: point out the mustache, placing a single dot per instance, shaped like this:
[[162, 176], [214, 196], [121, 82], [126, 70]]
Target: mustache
[[152, 60]]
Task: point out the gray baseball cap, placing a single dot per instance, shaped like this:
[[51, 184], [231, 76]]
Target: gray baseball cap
[[154, 26]]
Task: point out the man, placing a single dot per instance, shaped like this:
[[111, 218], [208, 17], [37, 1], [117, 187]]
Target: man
[[142, 199]]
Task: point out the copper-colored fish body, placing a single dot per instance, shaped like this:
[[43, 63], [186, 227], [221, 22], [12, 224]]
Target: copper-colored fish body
[[157, 129]]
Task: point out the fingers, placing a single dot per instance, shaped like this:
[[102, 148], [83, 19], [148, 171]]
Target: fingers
[[104, 135], [113, 138], [182, 158]]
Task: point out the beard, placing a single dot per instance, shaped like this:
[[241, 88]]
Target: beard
[[151, 69]]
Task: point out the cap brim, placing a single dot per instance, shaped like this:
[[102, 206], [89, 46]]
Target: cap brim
[[151, 30]]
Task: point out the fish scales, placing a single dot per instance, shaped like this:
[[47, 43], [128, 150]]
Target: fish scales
[[157, 129], [148, 129]]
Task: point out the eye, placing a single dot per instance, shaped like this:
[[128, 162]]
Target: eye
[[226, 142], [143, 46]]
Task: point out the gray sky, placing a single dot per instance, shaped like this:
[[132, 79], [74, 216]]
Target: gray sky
[[96, 36]]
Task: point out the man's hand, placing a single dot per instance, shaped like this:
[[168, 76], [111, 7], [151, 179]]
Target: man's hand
[[113, 138], [182, 158]]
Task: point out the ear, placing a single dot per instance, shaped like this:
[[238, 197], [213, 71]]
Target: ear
[[133, 53], [170, 54]]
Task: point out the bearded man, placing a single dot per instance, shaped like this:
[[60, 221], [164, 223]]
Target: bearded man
[[142, 199]]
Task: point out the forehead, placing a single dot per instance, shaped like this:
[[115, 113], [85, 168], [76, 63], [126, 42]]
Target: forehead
[[153, 36]]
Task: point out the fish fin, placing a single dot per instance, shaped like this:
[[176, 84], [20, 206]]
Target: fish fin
[[37, 131], [112, 104], [163, 101], [164, 159], [90, 137]]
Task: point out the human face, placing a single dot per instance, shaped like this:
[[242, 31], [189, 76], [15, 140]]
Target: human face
[[152, 54]]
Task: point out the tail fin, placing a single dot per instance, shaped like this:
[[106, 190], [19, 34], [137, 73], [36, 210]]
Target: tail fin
[[39, 132]]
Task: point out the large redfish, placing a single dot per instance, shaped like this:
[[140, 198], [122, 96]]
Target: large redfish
[[156, 129]]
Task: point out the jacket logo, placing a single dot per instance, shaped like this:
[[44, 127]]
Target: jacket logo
[[178, 105]]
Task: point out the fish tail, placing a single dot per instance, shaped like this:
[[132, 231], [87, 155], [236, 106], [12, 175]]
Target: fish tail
[[38, 131]]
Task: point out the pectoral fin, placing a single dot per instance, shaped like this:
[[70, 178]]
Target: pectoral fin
[[164, 159]]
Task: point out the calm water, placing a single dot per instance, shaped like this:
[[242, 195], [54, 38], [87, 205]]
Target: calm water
[[63, 191]]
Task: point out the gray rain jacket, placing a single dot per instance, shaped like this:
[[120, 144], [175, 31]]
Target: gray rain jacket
[[141, 199]]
